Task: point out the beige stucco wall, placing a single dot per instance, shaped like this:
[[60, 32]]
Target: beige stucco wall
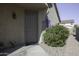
[[11, 29], [41, 18], [52, 15]]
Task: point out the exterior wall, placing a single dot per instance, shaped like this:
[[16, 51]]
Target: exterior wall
[[11, 29], [52, 15], [41, 18]]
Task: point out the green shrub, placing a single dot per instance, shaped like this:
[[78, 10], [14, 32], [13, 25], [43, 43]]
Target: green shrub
[[56, 36]]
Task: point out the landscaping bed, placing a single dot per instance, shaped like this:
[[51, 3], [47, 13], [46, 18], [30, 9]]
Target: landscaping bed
[[53, 40]]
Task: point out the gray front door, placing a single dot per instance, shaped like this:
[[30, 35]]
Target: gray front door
[[31, 28]]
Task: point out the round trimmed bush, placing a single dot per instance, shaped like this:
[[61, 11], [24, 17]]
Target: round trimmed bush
[[56, 36]]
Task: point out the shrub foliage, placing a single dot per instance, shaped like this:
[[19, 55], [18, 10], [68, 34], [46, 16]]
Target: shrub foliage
[[56, 36]]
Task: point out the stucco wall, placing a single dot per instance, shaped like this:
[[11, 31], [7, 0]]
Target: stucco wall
[[52, 15], [41, 19], [11, 29]]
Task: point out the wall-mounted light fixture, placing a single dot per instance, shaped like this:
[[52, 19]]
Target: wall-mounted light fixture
[[13, 15]]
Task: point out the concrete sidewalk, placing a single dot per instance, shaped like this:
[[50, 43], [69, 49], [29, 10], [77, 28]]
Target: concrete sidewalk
[[32, 50], [36, 50], [72, 46], [70, 49]]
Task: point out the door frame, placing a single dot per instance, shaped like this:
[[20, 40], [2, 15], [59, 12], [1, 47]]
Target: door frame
[[25, 11]]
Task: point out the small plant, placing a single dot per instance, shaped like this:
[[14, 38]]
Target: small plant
[[12, 43], [56, 36]]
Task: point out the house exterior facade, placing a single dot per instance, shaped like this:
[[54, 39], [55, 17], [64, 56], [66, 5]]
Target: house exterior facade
[[22, 24]]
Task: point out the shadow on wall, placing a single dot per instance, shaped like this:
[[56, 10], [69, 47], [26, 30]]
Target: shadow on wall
[[45, 23]]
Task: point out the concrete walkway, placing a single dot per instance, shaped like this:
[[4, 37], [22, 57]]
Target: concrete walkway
[[72, 46], [32, 50], [36, 50], [70, 49]]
